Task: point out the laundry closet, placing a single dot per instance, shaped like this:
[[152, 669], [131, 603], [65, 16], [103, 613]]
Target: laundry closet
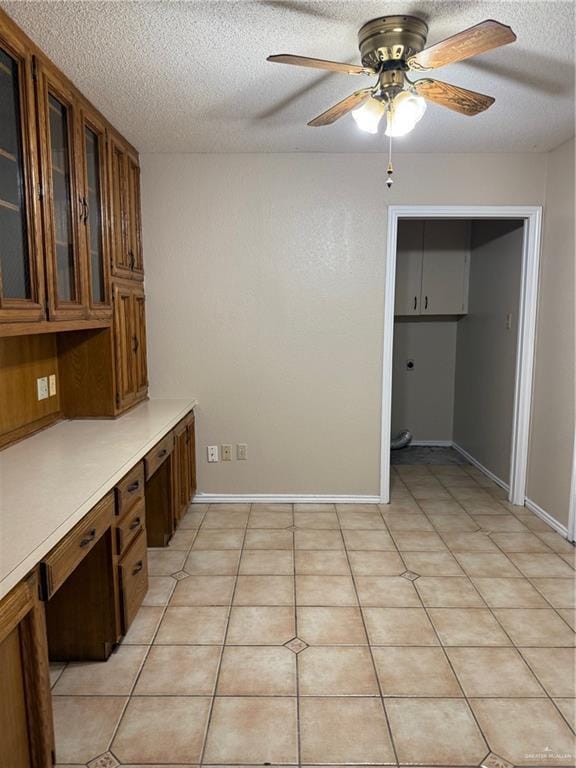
[[457, 294]]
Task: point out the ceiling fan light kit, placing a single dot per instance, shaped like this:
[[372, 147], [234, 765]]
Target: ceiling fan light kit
[[389, 48]]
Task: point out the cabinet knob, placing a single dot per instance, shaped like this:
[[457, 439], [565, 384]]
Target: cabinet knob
[[162, 453], [415, 302], [426, 302], [135, 343], [133, 486], [134, 524], [137, 568]]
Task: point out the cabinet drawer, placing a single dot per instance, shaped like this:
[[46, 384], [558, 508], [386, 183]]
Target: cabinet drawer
[[63, 559], [130, 526], [133, 579], [130, 489], [158, 455]]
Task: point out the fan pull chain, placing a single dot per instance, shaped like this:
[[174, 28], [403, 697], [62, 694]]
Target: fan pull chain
[[390, 169]]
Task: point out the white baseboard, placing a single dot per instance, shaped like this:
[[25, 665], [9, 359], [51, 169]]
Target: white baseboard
[[481, 467], [528, 503], [282, 498], [533, 507], [433, 443]]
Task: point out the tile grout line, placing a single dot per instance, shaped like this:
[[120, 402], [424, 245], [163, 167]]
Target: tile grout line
[[513, 644], [443, 648], [219, 667], [150, 645], [369, 646]]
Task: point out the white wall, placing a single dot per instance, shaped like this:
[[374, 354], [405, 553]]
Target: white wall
[[265, 281], [486, 348], [552, 432], [423, 398]]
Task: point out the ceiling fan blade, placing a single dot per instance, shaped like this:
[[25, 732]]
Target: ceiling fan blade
[[452, 96], [478, 39], [333, 66], [342, 108]]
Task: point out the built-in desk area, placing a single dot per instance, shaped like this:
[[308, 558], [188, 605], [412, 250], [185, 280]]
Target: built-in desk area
[[79, 504]]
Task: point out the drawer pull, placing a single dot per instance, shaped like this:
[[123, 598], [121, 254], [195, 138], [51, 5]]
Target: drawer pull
[[89, 538], [162, 453], [134, 524], [138, 567], [133, 486]]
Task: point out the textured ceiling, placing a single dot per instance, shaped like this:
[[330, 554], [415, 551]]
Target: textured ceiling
[[192, 76]]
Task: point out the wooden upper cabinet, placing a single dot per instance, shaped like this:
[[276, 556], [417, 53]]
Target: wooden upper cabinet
[[63, 208], [125, 211], [95, 243], [73, 152], [21, 271]]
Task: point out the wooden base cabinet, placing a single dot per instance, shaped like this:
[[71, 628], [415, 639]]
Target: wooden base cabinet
[[26, 731], [80, 585], [130, 344], [184, 466]]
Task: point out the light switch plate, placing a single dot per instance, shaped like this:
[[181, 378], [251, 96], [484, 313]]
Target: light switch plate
[[52, 384], [213, 454], [242, 451]]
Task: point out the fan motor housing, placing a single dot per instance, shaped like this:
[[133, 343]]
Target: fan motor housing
[[391, 39]]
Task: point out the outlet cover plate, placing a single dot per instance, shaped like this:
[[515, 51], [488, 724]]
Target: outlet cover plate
[[42, 388]]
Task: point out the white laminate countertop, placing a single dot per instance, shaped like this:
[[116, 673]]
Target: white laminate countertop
[[49, 481]]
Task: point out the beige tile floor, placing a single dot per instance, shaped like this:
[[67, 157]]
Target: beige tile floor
[[434, 631]]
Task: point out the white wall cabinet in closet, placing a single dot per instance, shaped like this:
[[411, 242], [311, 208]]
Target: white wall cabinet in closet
[[432, 267]]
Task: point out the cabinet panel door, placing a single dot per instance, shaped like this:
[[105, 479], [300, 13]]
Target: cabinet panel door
[[140, 358], [13, 717], [118, 203], [62, 206], [445, 267], [134, 224], [408, 267], [94, 214], [125, 211], [21, 267], [124, 346]]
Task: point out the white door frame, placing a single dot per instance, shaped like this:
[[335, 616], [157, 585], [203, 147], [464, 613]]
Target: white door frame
[[532, 218]]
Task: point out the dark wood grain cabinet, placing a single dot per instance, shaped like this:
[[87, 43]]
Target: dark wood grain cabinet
[[62, 210], [70, 235], [26, 730], [130, 344], [127, 260], [21, 263]]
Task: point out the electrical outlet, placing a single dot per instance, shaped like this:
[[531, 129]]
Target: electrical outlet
[[241, 451], [52, 385], [226, 452], [42, 388], [213, 453]]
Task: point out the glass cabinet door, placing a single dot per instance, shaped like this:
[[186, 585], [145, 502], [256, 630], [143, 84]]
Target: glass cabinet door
[[94, 217], [62, 208], [20, 297]]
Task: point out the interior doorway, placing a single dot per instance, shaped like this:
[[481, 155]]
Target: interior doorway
[[435, 365]]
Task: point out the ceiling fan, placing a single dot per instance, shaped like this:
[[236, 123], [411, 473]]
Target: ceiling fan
[[389, 48]]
